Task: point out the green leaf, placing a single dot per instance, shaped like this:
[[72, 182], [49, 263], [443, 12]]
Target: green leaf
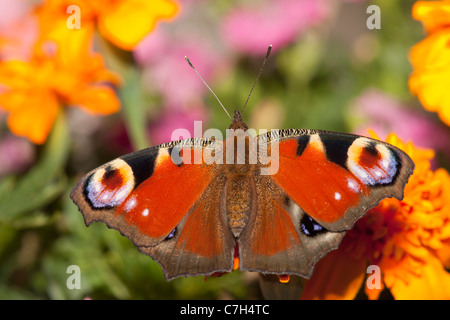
[[43, 183], [132, 94]]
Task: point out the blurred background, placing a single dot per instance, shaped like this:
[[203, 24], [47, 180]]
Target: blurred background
[[73, 111]]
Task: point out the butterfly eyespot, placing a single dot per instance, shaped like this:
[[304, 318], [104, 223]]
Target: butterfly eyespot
[[310, 227], [372, 163], [171, 234], [108, 187]]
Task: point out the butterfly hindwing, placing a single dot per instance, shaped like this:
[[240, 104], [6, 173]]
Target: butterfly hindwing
[[202, 243], [280, 237]]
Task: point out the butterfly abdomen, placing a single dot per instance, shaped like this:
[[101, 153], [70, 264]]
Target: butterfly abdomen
[[238, 202]]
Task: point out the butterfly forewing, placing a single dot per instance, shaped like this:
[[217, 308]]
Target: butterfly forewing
[[334, 177], [145, 194]]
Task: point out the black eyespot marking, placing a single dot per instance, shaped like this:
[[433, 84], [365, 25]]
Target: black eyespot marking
[[171, 234], [109, 173], [90, 194], [372, 148], [336, 148], [86, 190], [310, 227], [142, 163], [302, 143]]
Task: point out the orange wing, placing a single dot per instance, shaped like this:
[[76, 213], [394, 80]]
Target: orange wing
[[202, 243], [163, 205], [325, 181], [279, 237], [335, 178]]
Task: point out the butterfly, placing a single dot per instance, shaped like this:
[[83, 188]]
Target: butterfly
[[203, 206]]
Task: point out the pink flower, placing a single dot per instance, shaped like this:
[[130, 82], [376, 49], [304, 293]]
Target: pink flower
[[167, 72], [279, 23], [16, 155], [18, 29], [384, 114], [161, 131]]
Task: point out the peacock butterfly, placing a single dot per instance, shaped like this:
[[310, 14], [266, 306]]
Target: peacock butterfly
[[204, 206]]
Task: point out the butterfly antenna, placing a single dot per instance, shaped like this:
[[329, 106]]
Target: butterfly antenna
[[204, 82], [257, 77]]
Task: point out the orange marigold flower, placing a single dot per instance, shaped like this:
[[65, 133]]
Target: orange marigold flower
[[33, 91], [409, 240], [433, 14], [430, 58], [123, 22]]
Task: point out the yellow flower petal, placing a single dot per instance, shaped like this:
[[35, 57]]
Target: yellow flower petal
[[126, 23], [431, 74], [433, 14], [15, 74]]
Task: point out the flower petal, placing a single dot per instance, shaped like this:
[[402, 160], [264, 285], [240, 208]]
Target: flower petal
[[34, 119], [15, 73], [433, 283], [433, 14], [126, 23], [336, 276], [431, 73], [97, 99]]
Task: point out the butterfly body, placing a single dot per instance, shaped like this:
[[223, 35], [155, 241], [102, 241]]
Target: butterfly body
[[278, 201]]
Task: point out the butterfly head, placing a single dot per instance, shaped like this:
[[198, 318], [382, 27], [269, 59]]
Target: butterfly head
[[238, 123]]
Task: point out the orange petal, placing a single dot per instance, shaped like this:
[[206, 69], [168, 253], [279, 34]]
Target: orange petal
[[15, 73], [336, 276], [75, 45], [97, 99], [431, 72], [34, 118], [433, 283], [433, 14], [444, 254], [128, 22], [11, 100]]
